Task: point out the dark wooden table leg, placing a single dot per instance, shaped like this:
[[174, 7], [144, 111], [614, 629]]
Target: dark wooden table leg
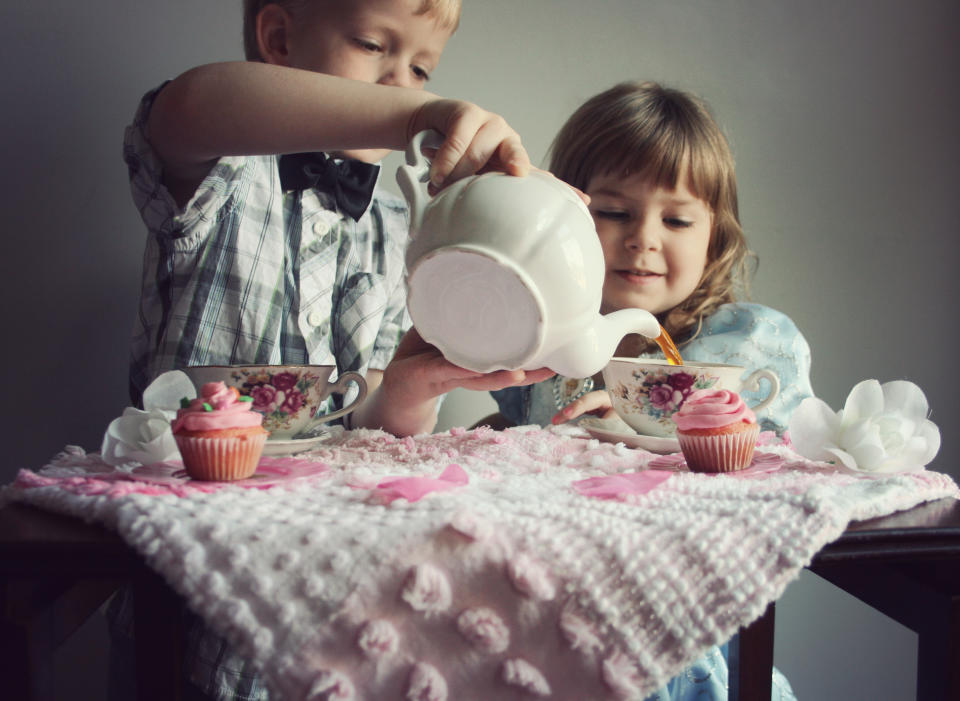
[[925, 597], [39, 615], [938, 655], [158, 627], [751, 659]]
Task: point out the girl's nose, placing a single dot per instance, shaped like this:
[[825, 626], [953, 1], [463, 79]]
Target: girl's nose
[[643, 236]]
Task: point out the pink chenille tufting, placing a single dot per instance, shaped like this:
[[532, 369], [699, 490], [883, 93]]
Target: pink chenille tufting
[[527, 563]]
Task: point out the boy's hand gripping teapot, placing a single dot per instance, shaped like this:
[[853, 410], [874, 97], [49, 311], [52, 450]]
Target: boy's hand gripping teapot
[[506, 272]]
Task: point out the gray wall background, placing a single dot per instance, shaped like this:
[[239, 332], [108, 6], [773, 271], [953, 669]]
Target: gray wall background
[[841, 113]]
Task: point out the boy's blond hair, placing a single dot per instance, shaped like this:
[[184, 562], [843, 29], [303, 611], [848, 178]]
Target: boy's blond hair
[[446, 12], [663, 133]]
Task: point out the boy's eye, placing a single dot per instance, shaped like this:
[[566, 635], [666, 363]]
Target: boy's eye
[[421, 73], [367, 44]]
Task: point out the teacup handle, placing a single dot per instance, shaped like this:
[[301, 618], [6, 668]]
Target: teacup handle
[[752, 384], [412, 177], [339, 387]]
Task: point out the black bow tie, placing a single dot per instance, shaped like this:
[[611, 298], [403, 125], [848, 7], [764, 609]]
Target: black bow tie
[[349, 181]]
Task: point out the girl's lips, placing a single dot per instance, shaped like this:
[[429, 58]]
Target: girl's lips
[[638, 277]]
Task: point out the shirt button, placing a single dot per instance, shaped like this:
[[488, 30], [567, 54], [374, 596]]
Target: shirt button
[[320, 227], [316, 318]]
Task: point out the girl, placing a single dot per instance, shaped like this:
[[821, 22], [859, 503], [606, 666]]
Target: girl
[[663, 195]]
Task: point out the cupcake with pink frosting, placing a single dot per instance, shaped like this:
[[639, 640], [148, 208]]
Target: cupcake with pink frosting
[[218, 435], [717, 431]]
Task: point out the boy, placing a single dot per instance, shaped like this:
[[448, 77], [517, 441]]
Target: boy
[[241, 265], [244, 266]]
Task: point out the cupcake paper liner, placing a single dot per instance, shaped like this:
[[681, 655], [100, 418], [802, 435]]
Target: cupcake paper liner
[[727, 452], [221, 459]]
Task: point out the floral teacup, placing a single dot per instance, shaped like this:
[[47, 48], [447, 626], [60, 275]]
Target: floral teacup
[[646, 393], [288, 396]]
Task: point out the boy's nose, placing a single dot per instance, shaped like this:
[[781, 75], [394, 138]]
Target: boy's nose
[[396, 76]]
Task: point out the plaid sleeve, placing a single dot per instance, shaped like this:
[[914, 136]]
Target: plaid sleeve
[[157, 207]]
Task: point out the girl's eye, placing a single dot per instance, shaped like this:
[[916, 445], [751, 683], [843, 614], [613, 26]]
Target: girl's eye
[[421, 73], [611, 214], [677, 222]]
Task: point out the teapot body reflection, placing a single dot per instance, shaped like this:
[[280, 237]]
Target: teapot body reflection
[[506, 272]]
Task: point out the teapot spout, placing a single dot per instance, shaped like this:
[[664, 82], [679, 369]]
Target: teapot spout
[[590, 352], [624, 321]]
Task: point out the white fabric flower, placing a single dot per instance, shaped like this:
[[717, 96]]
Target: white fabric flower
[[144, 436], [882, 428]]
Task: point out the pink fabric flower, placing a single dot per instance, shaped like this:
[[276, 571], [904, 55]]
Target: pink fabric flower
[[620, 675], [331, 685], [581, 634], [427, 589], [530, 577], [378, 638], [426, 684], [484, 629], [519, 672], [471, 526]]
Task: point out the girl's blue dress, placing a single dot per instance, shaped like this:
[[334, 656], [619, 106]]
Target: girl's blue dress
[[750, 335]]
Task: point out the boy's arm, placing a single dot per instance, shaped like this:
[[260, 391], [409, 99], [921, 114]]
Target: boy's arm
[[251, 108]]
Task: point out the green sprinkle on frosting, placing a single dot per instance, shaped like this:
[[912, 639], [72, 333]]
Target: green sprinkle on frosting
[[207, 407], [245, 398], [184, 403]]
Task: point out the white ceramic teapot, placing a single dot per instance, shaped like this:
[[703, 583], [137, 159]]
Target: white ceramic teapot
[[505, 272]]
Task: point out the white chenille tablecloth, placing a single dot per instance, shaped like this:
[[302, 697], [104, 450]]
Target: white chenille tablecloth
[[530, 562]]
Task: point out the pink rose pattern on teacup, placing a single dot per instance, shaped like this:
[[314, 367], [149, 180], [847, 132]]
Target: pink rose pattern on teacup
[[659, 395], [277, 396]]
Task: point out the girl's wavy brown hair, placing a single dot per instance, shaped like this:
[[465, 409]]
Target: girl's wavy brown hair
[[663, 133], [447, 13]]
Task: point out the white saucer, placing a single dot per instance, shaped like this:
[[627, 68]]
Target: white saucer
[[653, 444], [294, 445]]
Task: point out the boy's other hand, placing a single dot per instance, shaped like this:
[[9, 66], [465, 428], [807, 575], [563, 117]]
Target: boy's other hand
[[419, 372], [475, 141]]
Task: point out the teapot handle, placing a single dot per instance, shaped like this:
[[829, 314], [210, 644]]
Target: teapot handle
[[412, 176]]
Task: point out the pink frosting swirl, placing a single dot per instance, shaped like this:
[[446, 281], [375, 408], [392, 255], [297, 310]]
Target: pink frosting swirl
[[712, 408], [217, 407]]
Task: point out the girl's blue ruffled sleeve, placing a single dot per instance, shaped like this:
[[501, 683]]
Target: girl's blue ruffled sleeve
[[756, 337]]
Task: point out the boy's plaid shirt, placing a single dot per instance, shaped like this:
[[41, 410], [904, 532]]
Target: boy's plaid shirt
[[248, 274]]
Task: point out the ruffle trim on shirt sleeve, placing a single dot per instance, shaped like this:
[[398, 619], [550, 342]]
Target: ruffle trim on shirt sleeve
[[156, 205]]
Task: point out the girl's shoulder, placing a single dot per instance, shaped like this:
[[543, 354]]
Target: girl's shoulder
[[745, 333], [749, 319]]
